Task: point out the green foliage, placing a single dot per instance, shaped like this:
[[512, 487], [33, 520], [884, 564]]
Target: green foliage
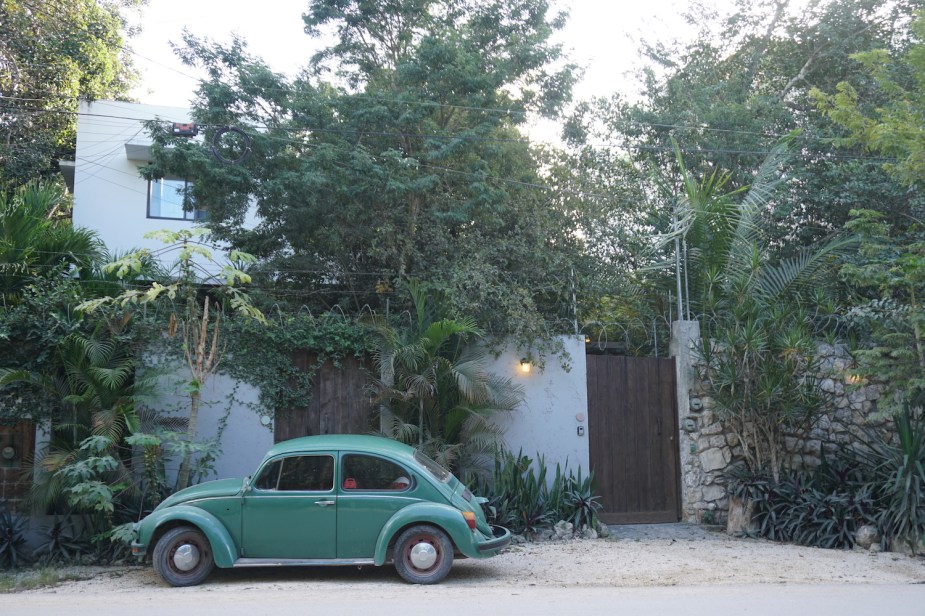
[[897, 478], [434, 382], [52, 56], [262, 355], [416, 169], [162, 446], [879, 481], [807, 509], [12, 539], [888, 282], [37, 241], [521, 499], [200, 334], [760, 315], [892, 127], [742, 83], [60, 542], [581, 503]]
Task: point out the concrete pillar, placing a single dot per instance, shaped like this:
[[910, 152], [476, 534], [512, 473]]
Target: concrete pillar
[[684, 336]]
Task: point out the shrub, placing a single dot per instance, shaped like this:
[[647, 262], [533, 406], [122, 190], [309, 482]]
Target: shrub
[[896, 477], [521, 498], [12, 540], [878, 482]]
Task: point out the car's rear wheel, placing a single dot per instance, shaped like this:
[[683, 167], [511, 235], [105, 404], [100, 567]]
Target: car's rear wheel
[[423, 554], [183, 556]]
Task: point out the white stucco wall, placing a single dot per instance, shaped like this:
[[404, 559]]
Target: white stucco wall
[[109, 195], [555, 405], [244, 438]]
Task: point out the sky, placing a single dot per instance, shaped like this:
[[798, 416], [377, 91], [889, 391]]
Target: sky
[[600, 36]]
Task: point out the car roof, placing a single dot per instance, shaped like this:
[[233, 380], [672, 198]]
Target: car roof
[[338, 442]]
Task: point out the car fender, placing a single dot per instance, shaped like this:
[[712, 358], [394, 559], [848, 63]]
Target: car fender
[[450, 519], [224, 550]]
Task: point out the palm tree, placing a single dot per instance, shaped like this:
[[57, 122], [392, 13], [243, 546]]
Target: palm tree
[[434, 372], [37, 240], [760, 315], [92, 381]]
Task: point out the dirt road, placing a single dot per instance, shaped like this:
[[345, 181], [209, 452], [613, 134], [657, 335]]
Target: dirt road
[[637, 557]]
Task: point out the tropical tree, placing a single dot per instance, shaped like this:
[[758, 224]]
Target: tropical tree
[[52, 54], [887, 281], [434, 384], [200, 328], [414, 169], [742, 84], [881, 112], [760, 315], [891, 125], [37, 239], [92, 379]]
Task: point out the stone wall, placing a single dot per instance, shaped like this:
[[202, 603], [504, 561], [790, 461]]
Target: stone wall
[[708, 451]]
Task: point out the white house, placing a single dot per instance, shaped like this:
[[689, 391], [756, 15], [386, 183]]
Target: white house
[[110, 196]]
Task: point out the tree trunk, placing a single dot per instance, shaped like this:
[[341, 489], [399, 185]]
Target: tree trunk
[[740, 516], [183, 476]]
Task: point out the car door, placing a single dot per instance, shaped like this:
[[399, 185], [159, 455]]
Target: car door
[[372, 488], [290, 510]]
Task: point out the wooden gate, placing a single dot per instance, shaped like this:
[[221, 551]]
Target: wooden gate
[[340, 402], [633, 438]]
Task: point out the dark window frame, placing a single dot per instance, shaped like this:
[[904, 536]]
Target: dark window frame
[[281, 461], [194, 215], [389, 490]]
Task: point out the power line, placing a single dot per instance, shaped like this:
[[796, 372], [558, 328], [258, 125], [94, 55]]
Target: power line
[[468, 138]]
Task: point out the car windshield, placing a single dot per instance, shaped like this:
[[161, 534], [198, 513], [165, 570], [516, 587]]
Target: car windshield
[[432, 467]]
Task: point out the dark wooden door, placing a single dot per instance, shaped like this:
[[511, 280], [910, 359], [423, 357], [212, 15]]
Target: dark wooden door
[[339, 404], [633, 437]]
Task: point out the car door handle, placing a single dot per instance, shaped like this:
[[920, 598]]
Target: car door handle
[[324, 503]]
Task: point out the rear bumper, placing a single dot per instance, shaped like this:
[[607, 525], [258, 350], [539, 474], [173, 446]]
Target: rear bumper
[[501, 538], [139, 550]]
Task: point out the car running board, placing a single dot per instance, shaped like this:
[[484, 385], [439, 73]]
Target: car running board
[[301, 562]]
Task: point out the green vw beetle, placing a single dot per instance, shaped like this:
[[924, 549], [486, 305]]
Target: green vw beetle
[[322, 500]]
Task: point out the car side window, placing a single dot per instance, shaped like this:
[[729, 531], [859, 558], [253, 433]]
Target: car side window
[[298, 473], [269, 477], [361, 472]]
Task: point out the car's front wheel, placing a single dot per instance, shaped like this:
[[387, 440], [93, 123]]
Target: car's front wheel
[[423, 554], [183, 556]]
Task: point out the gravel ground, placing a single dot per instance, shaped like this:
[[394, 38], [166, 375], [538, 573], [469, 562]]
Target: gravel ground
[[635, 556]]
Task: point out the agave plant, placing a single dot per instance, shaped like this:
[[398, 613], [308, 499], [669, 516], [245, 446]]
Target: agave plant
[[12, 539]]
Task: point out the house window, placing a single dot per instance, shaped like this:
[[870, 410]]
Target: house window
[[166, 200]]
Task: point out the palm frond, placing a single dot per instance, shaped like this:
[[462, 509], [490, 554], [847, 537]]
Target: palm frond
[[803, 270]]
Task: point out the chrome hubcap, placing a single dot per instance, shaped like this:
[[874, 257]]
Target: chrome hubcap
[[186, 557], [423, 556]]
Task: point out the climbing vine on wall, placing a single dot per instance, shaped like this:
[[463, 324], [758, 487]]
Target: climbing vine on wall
[[262, 355]]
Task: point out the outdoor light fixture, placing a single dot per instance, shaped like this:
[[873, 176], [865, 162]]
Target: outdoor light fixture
[[524, 365]]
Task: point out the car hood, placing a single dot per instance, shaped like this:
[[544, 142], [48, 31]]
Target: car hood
[[209, 489]]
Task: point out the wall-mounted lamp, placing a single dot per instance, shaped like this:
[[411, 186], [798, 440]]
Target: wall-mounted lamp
[[587, 339], [525, 365]]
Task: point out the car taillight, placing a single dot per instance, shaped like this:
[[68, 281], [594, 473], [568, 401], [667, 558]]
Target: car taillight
[[470, 518]]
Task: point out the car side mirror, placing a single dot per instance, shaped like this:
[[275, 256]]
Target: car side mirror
[[246, 485]]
